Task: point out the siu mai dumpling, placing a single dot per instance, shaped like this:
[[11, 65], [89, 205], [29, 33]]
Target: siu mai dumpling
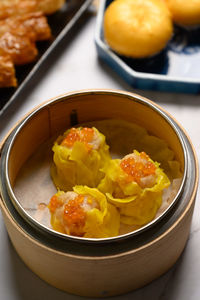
[[78, 158], [135, 186], [84, 212]]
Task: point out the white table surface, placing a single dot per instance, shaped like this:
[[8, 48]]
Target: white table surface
[[74, 67]]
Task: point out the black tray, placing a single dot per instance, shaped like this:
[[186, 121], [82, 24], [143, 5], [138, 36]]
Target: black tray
[[60, 22]]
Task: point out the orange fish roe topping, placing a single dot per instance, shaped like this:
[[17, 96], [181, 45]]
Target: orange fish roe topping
[[137, 168], [74, 216], [71, 138], [84, 135], [87, 134], [55, 203]]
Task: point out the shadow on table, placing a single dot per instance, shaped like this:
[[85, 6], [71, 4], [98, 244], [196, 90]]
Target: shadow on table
[[185, 282], [30, 286]]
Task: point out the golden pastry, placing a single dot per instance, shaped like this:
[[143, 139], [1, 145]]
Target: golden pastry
[[7, 72], [49, 6], [22, 23], [15, 7], [20, 7], [139, 28], [185, 13], [20, 48], [33, 25]]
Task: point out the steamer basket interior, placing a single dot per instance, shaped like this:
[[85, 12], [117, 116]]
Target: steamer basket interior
[[79, 108], [113, 267], [66, 111]]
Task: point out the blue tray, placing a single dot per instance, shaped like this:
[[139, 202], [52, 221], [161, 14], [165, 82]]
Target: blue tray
[[176, 69]]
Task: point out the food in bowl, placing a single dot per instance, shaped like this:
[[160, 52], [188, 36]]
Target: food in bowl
[[129, 252], [22, 24], [20, 7], [185, 13], [7, 72], [79, 155], [139, 28], [134, 184], [133, 187], [84, 212]]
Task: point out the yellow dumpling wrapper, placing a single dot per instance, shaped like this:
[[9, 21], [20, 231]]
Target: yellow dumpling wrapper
[[100, 222], [79, 164], [137, 205], [133, 136], [103, 222]]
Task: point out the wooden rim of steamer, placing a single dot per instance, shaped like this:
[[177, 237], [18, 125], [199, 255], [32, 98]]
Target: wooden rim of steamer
[[138, 260]]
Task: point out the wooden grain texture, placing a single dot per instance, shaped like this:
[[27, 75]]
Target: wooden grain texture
[[101, 276], [27, 141], [112, 274]]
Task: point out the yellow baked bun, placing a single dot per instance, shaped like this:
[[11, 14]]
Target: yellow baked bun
[[137, 28], [185, 12]]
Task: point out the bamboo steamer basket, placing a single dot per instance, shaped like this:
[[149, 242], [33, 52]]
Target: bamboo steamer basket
[[107, 267]]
